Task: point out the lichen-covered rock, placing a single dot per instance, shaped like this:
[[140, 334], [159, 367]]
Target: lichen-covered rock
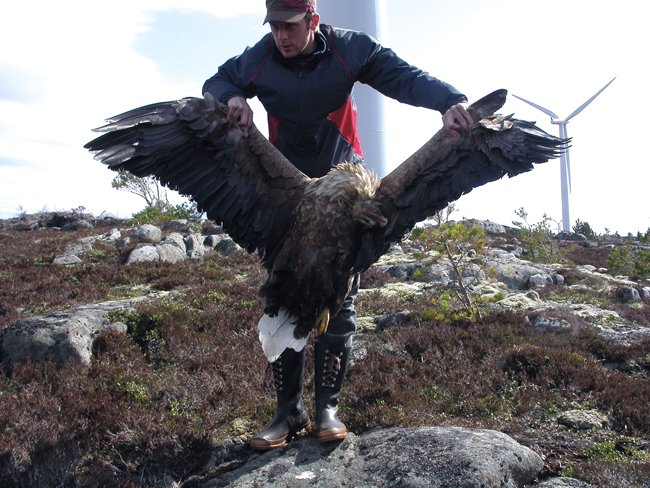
[[424, 457]]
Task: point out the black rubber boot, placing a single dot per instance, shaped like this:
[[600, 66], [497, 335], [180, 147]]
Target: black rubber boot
[[291, 416], [332, 354]]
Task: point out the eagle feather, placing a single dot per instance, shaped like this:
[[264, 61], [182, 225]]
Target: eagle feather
[[312, 234]]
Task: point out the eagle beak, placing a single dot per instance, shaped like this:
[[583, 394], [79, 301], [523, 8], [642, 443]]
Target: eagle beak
[[382, 222]]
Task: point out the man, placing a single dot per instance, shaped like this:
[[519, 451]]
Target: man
[[303, 73]]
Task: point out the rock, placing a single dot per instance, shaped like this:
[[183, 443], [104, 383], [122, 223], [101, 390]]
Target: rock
[[77, 225], [515, 274], [147, 233], [644, 292], [550, 324], [143, 254], [171, 253], [564, 483], [227, 247], [539, 281], [62, 336], [212, 240], [180, 225], [424, 457], [583, 419], [68, 220], [489, 226], [194, 246], [629, 294], [571, 236], [67, 260], [521, 301], [392, 290], [176, 239], [393, 320]]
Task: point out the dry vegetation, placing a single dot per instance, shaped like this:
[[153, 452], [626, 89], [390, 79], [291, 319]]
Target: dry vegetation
[[189, 378]]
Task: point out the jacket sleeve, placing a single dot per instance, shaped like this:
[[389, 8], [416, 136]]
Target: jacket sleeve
[[392, 76], [235, 77]]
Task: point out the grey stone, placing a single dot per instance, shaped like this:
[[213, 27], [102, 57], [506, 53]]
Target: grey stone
[[550, 324], [433, 457], [67, 260], [571, 236], [171, 253], [227, 247], [147, 233], [62, 336], [629, 294], [143, 254], [180, 225], [194, 246], [564, 483], [176, 239], [393, 320], [539, 281], [583, 419]]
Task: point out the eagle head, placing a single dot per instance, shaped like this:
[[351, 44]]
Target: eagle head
[[367, 213]]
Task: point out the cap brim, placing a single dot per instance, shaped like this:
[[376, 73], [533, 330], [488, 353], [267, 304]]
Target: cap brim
[[284, 16]]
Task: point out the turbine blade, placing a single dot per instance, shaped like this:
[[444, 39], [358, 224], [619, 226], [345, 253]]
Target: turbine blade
[[538, 107], [584, 105]]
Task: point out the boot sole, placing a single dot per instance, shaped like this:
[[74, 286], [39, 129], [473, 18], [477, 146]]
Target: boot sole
[[267, 445], [263, 445], [331, 435]]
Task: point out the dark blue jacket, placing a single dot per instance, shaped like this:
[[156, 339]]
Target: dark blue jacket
[[312, 119]]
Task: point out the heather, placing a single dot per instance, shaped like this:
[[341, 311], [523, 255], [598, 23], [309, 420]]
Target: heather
[[188, 379]]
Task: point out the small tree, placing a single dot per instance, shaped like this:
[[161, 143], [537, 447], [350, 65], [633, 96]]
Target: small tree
[[621, 261], [538, 238], [584, 228], [158, 209], [148, 188], [458, 242]]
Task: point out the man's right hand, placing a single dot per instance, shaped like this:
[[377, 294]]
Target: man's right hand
[[239, 112]]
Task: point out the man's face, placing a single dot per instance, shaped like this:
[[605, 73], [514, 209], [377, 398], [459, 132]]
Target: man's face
[[293, 38]]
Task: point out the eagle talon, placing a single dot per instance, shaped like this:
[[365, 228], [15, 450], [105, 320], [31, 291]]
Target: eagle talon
[[323, 321]]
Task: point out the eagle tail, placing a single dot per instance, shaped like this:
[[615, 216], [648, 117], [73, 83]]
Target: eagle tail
[[276, 334]]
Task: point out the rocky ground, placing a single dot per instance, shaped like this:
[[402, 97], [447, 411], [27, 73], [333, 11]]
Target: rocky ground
[[523, 429]]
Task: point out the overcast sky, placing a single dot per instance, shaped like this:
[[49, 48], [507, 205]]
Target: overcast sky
[[65, 66]]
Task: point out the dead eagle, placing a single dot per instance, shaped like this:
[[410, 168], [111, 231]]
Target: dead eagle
[[312, 234]]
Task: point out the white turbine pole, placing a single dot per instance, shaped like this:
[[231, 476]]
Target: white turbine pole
[[565, 165], [367, 16]]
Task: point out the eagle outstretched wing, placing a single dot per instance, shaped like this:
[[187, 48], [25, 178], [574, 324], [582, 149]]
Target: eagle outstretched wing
[[446, 168], [312, 234], [240, 180]]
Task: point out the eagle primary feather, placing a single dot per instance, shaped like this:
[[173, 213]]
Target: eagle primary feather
[[312, 234]]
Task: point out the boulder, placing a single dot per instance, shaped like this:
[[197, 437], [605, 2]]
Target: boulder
[[61, 337], [583, 419], [419, 457], [147, 233], [564, 482], [143, 254]]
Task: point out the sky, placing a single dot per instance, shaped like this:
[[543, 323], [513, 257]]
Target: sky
[[66, 66]]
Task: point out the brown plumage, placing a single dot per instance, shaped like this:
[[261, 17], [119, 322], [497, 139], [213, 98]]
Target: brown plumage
[[312, 235]]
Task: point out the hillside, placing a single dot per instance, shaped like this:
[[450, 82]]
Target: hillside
[[555, 354]]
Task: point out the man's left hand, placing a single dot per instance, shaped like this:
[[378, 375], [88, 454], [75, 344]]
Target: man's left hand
[[457, 120]]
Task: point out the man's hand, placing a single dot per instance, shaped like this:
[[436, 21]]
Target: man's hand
[[457, 120], [239, 112]]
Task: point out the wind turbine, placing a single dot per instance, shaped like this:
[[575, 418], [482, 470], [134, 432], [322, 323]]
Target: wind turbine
[[565, 167]]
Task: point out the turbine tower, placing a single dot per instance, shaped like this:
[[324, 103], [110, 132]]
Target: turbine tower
[[368, 16], [565, 166]]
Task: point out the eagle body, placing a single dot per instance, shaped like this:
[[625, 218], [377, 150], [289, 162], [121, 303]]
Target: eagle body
[[312, 234], [314, 269]]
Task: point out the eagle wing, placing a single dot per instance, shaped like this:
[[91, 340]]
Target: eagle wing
[[238, 178], [446, 168]]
